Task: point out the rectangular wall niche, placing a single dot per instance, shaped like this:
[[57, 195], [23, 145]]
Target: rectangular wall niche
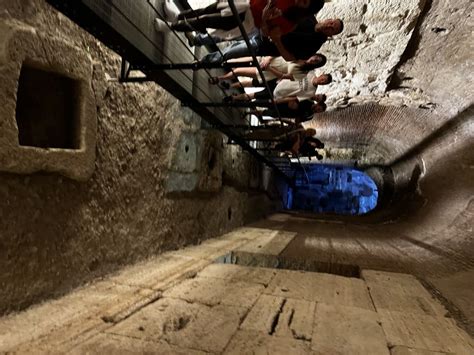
[[48, 109]]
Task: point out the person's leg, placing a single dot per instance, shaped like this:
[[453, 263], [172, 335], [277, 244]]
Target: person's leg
[[204, 39], [200, 24], [270, 112], [243, 97], [266, 133], [188, 14], [253, 112], [244, 83], [241, 59], [247, 72], [236, 50], [262, 95]]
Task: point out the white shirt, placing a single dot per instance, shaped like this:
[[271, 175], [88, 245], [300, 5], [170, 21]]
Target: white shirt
[[243, 6], [303, 88]]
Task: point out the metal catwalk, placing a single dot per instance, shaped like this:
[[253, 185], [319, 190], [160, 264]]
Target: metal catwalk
[[127, 27]]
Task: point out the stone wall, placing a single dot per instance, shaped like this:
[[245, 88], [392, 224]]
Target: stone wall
[[55, 232], [375, 134], [401, 53]]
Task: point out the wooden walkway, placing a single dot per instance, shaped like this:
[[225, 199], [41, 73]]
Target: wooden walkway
[[127, 27]]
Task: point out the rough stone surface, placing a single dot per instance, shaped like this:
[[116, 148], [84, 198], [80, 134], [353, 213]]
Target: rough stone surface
[[347, 330], [197, 163], [158, 272], [438, 61], [263, 314], [245, 342], [363, 59], [296, 320], [239, 169], [330, 289], [57, 324], [272, 244], [188, 325], [401, 53], [424, 332], [117, 344], [22, 45], [373, 134], [282, 317], [403, 350], [56, 233], [425, 228], [221, 315], [400, 292], [238, 273], [210, 291]]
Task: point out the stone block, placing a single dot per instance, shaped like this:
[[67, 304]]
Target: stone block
[[263, 314], [185, 159], [196, 165], [272, 244], [424, 332], [61, 323], [318, 287], [211, 292], [48, 116], [400, 292], [403, 350], [210, 249], [181, 182], [119, 344], [347, 330], [183, 324], [239, 168], [366, 54], [239, 273], [250, 342], [256, 260], [296, 320], [281, 317], [159, 272], [211, 161], [246, 233], [279, 217]]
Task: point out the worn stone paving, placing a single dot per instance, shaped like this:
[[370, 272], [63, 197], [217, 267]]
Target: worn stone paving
[[184, 303]]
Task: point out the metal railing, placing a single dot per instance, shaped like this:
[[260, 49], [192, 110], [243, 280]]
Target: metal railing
[[124, 26]]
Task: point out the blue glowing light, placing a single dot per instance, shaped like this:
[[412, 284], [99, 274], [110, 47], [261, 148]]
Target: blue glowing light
[[333, 189]]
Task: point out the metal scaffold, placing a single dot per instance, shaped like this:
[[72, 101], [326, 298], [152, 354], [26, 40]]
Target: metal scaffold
[[127, 27]]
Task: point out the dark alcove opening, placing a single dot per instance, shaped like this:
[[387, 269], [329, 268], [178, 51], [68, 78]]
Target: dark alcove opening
[[48, 109]]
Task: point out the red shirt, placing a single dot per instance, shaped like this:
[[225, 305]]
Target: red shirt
[[257, 6]]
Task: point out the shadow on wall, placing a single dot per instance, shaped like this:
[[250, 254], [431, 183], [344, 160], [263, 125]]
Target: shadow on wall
[[333, 189]]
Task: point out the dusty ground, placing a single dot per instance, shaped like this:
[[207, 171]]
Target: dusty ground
[[185, 303]]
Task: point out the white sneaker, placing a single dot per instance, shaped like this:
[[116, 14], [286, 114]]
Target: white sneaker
[[161, 26], [171, 10]]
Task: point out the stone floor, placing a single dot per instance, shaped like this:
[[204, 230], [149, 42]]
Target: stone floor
[[184, 302]]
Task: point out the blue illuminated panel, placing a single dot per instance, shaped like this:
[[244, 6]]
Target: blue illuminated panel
[[333, 189]]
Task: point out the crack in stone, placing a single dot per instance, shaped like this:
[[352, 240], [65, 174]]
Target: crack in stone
[[290, 318], [276, 318]]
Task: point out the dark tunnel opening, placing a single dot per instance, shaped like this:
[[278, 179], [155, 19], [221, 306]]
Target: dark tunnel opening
[[333, 189]]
